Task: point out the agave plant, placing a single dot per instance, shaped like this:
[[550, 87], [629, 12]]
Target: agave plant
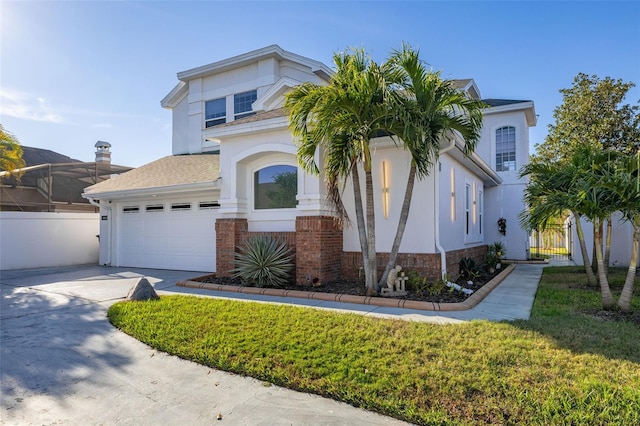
[[263, 261]]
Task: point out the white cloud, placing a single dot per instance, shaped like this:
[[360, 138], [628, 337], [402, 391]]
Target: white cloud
[[24, 106]]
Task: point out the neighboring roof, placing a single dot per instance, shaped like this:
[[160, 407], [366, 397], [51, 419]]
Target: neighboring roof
[[501, 102], [70, 176], [169, 172], [34, 156]]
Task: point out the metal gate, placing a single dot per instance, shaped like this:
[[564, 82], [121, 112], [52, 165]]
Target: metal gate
[[554, 242]]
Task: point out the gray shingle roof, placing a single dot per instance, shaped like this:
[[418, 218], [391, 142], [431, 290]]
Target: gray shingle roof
[[274, 113], [501, 102], [169, 171]]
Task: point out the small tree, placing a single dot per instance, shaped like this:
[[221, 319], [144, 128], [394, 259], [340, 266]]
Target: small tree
[[10, 154]]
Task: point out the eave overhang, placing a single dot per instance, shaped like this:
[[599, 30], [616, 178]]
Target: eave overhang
[[526, 106], [183, 189]]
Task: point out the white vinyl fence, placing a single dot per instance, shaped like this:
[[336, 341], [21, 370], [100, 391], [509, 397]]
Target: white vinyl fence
[[37, 240]]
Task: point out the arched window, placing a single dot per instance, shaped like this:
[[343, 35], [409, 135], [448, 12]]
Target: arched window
[[275, 187], [506, 149]]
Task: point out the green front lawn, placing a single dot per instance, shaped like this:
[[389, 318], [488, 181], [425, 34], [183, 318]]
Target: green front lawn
[[564, 366]]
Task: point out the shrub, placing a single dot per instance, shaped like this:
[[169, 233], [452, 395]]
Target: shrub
[[495, 253], [263, 261], [421, 285], [468, 268]]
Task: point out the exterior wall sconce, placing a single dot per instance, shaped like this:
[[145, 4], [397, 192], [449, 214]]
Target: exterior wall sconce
[[453, 194], [385, 190]]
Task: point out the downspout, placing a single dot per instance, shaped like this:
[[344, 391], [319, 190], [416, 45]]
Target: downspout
[[436, 183], [92, 202]]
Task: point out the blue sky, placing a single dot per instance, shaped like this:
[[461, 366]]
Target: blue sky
[[73, 73]]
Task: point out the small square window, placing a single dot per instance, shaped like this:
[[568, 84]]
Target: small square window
[[155, 208]]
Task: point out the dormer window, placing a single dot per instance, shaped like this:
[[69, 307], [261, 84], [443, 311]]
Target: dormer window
[[506, 149], [215, 112], [242, 103]]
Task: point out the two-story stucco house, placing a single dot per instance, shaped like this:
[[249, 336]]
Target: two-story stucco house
[[233, 173]]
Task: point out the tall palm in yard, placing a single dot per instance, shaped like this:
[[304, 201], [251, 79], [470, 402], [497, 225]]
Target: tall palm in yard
[[428, 110], [626, 183], [550, 193], [339, 120], [597, 202]]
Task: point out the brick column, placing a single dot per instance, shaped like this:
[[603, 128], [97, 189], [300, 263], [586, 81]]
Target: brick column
[[318, 248], [229, 234]]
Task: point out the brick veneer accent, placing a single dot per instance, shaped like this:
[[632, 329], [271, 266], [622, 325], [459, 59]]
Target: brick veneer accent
[[228, 236], [318, 248], [231, 233], [426, 264]]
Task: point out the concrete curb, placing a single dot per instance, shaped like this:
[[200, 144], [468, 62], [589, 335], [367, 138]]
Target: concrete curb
[[471, 302]]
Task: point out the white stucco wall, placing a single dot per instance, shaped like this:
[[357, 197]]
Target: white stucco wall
[[189, 114], [506, 201], [453, 180], [487, 146], [244, 155], [37, 240], [621, 241], [419, 234]]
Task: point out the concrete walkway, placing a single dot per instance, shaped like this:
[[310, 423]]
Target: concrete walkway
[[511, 300], [61, 362]]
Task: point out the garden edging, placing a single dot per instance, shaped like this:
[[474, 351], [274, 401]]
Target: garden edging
[[469, 303]]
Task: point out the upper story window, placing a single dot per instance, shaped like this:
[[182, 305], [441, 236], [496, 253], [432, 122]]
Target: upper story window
[[276, 187], [506, 149], [215, 112], [242, 103]]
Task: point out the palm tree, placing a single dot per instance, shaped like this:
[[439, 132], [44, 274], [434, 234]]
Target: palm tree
[[626, 183], [10, 154], [339, 120], [428, 110], [548, 195]]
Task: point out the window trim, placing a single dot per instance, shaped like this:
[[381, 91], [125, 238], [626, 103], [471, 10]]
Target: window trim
[[217, 120], [248, 112], [507, 154], [254, 188]]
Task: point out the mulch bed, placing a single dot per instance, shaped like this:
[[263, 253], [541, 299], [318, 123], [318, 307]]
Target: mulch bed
[[357, 288]]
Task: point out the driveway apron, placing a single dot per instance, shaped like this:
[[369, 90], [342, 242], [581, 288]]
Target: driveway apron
[[62, 362]]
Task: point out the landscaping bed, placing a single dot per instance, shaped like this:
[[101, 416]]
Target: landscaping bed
[[357, 288]]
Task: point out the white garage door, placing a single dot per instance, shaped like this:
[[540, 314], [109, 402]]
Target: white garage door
[[167, 235]]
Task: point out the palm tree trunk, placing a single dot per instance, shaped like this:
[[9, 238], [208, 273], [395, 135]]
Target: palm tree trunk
[[362, 231], [627, 291], [594, 264], [591, 278], [607, 245], [402, 223], [371, 232], [607, 298]]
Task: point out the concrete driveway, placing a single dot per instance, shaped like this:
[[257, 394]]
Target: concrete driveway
[[61, 362]]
